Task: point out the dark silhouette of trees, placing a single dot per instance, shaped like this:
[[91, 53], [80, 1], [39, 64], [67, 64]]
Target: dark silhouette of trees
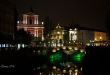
[[23, 37], [5, 37]]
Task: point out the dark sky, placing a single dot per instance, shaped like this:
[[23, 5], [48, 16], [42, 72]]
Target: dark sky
[[87, 13]]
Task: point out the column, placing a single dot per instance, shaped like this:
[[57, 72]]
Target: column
[[42, 34], [35, 19], [35, 32]]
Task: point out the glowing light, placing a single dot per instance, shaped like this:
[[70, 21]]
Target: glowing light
[[88, 44], [75, 48], [64, 71], [19, 46], [95, 39], [97, 44], [64, 47], [3, 45], [81, 50], [23, 45], [75, 29], [68, 66], [17, 21], [7, 45], [81, 68], [76, 72], [54, 67], [70, 70], [54, 50], [58, 32], [100, 38], [42, 22], [70, 47]]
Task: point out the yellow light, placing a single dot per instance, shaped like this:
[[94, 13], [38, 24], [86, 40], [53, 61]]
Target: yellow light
[[68, 65], [70, 70], [88, 44], [97, 44], [64, 47], [58, 32], [75, 48], [76, 70], [81, 50], [100, 38], [54, 67], [54, 50], [58, 49], [95, 39], [81, 68], [64, 71], [69, 47], [42, 22]]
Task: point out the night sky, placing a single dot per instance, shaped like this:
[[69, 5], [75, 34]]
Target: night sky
[[87, 13]]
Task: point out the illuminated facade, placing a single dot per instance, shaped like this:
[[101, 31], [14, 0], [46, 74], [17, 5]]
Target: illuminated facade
[[87, 36], [57, 36], [31, 24], [100, 36], [73, 34]]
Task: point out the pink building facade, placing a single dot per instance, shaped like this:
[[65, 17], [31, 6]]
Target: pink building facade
[[31, 24]]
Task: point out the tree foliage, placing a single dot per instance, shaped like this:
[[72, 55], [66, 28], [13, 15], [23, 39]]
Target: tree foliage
[[23, 37], [6, 37]]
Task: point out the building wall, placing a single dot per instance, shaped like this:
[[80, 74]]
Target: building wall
[[57, 36], [100, 36], [30, 24], [85, 36]]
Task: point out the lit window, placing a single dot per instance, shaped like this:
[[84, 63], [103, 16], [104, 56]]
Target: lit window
[[58, 32], [17, 21]]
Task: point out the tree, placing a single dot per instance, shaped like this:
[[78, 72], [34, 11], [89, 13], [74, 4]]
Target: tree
[[23, 37]]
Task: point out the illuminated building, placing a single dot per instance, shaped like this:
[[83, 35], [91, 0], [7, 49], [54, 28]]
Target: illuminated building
[[73, 34], [87, 35], [31, 24], [100, 36], [57, 36]]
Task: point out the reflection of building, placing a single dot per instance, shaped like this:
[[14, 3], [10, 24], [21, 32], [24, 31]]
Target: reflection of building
[[31, 24]]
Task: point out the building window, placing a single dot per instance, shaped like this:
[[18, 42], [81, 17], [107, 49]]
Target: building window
[[30, 21]]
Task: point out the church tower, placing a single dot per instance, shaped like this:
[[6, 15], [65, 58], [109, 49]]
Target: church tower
[[30, 23]]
